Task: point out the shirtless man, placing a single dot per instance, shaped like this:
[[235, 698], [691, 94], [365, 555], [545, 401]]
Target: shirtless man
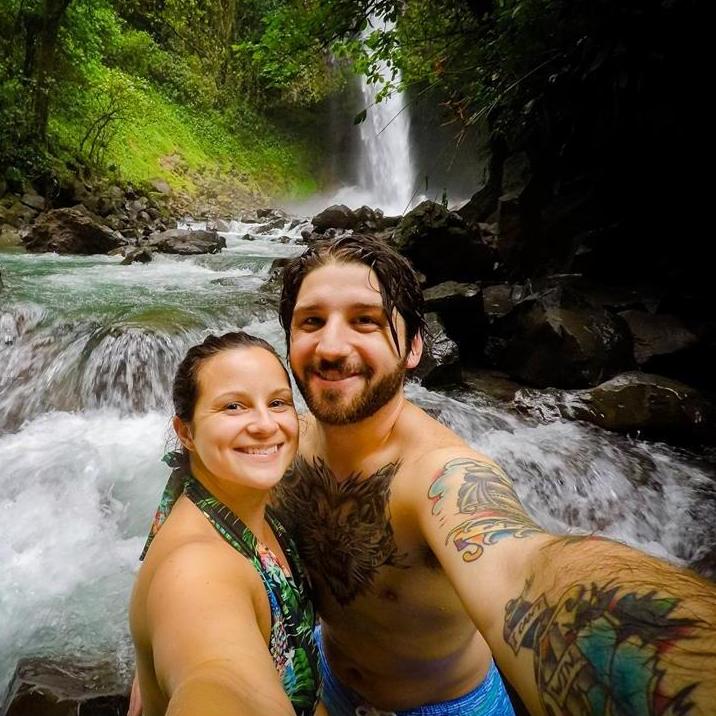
[[424, 563]]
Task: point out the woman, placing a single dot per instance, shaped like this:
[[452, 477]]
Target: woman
[[220, 614]]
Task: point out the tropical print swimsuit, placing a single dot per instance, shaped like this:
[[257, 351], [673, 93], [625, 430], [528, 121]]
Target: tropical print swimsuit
[[291, 643]]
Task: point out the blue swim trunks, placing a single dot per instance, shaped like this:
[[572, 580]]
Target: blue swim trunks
[[487, 699]]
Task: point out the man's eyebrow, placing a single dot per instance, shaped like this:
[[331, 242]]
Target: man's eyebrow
[[361, 306]]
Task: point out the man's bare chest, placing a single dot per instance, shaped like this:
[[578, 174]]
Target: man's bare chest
[[347, 531]]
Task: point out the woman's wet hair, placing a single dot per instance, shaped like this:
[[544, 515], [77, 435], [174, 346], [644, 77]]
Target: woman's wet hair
[[399, 285], [185, 390]]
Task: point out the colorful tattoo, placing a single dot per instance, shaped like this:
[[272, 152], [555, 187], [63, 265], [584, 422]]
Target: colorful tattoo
[[600, 650], [342, 527], [485, 493]]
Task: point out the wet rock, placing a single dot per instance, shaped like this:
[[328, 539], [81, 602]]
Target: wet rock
[[368, 221], [270, 226], [657, 335], [499, 299], [33, 200], [140, 255], [71, 231], [648, 406], [218, 225], [460, 308], [338, 216], [491, 382], [186, 241], [311, 237], [440, 363], [440, 245], [557, 339], [9, 236], [161, 186], [271, 214], [56, 688], [14, 212], [273, 283]]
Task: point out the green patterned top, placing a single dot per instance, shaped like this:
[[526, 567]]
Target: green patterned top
[[291, 643]]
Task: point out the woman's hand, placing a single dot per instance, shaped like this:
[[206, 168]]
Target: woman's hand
[[135, 698]]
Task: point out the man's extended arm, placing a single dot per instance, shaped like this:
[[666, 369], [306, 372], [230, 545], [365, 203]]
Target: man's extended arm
[[580, 625]]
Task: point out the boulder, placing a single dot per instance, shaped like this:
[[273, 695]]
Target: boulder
[[647, 406], [270, 226], [267, 213], [439, 244], [141, 255], [368, 221], [71, 231], [44, 687], [338, 216], [557, 339], [186, 241], [440, 363], [33, 200], [461, 311], [9, 236], [14, 212], [657, 335], [161, 186]]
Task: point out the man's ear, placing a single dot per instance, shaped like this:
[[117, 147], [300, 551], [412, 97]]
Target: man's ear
[[183, 432], [415, 352]]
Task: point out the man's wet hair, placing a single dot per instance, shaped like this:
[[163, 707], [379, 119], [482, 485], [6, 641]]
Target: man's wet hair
[[398, 282]]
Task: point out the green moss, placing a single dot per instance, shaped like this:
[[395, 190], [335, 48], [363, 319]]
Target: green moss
[[158, 138]]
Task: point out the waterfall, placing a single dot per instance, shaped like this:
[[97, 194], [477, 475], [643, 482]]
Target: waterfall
[[386, 169]]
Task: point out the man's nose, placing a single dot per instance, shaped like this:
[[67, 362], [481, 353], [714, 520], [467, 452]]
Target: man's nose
[[333, 342]]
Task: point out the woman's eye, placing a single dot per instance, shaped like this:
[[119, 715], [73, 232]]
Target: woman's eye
[[312, 321], [280, 403], [233, 406]]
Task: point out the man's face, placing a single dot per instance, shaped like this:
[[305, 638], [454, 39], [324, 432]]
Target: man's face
[[342, 353]]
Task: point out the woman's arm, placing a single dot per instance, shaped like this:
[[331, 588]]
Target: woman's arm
[[210, 656]]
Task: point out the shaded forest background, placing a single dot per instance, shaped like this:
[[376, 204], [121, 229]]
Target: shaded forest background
[[603, 100]]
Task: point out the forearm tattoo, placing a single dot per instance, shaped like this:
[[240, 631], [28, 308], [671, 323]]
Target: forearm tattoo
[[601, 650], [485, 494]]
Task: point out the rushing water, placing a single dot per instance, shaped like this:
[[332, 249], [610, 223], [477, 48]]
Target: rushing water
[[87, 352]]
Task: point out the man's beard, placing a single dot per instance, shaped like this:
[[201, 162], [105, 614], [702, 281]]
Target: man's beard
[[330, 407]]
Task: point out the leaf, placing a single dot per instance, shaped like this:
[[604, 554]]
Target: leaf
[[360, 117]]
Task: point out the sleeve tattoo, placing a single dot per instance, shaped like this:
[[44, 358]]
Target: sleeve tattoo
[[486, 498]]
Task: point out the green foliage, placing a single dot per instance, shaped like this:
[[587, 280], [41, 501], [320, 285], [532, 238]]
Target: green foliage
[[136, 81]]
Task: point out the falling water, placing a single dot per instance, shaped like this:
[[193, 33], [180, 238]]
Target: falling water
[[385, 166]]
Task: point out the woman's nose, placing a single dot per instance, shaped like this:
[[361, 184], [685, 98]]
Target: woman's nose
[[262, 421]]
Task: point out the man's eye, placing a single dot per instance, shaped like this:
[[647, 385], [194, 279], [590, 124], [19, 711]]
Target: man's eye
[[366, 321]]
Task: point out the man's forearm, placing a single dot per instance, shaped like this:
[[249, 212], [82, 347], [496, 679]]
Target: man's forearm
[[611, 631]]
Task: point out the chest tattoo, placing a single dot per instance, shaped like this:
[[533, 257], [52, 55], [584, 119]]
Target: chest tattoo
[[342, 528]]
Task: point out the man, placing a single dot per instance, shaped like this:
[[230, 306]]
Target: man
[[425, 564]]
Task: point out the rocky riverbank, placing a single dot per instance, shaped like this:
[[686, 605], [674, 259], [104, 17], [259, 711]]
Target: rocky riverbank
[[628, 358]]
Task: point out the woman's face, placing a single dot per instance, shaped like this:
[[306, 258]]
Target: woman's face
[[245, 428]]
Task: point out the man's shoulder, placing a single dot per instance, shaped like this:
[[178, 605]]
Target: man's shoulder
[[422, 470]]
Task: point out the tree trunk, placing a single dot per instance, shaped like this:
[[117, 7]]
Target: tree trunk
[[42, 63]]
